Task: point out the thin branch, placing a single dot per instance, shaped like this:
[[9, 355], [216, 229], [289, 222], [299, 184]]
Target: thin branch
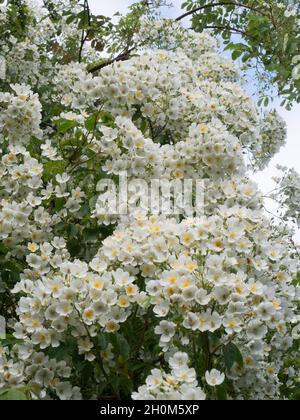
[[84, 35], [210, 6], [121, 57], [83, 40], [232, 30], [125, 55]]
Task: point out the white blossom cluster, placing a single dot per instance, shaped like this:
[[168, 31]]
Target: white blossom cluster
[[23, 216], [25, 59], [71, 297], [179, 91], [170, 35], [208, 150], [272, 137], [289, 194], [42, 377], [179, 384], [21, 205], [20, 116], [226, 279], [219, 274]]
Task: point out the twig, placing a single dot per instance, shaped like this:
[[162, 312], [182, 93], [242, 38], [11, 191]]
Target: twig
[[84, 36], [121, 57], [212, 5], [232, 30], [127, 53]]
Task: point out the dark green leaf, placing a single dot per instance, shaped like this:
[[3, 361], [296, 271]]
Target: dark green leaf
[[53, 168], [91, 234], [65, 125], [120, 344], [232, 355], [12, 394], [221, 392]]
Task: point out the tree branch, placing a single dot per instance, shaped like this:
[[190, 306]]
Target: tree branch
[[232, 30], [126, 54], [210, 6], [121, 57], [84, 36]]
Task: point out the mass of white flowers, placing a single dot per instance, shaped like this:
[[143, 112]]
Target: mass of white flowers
[[179, 384], [171, 308], [288, 194]]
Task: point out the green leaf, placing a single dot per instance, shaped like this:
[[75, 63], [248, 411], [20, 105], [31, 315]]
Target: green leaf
[[65, 351], [74, 247], [53, 168], [72, 231], [71, 19], [221, 392], [84, 210], [260, 101], [84, 19], [236, 54], [91, 234], [3, 249], [296, 394], [93, 201], [12, 394], [121, 345], [115, 384], [9, 340], [59, 203], [246, 57], [232, 355], [91, 122], [102, 341], [65, 125], [126, 385], [144, 126]]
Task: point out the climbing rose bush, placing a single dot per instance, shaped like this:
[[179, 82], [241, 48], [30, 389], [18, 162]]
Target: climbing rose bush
[[101, 305]]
